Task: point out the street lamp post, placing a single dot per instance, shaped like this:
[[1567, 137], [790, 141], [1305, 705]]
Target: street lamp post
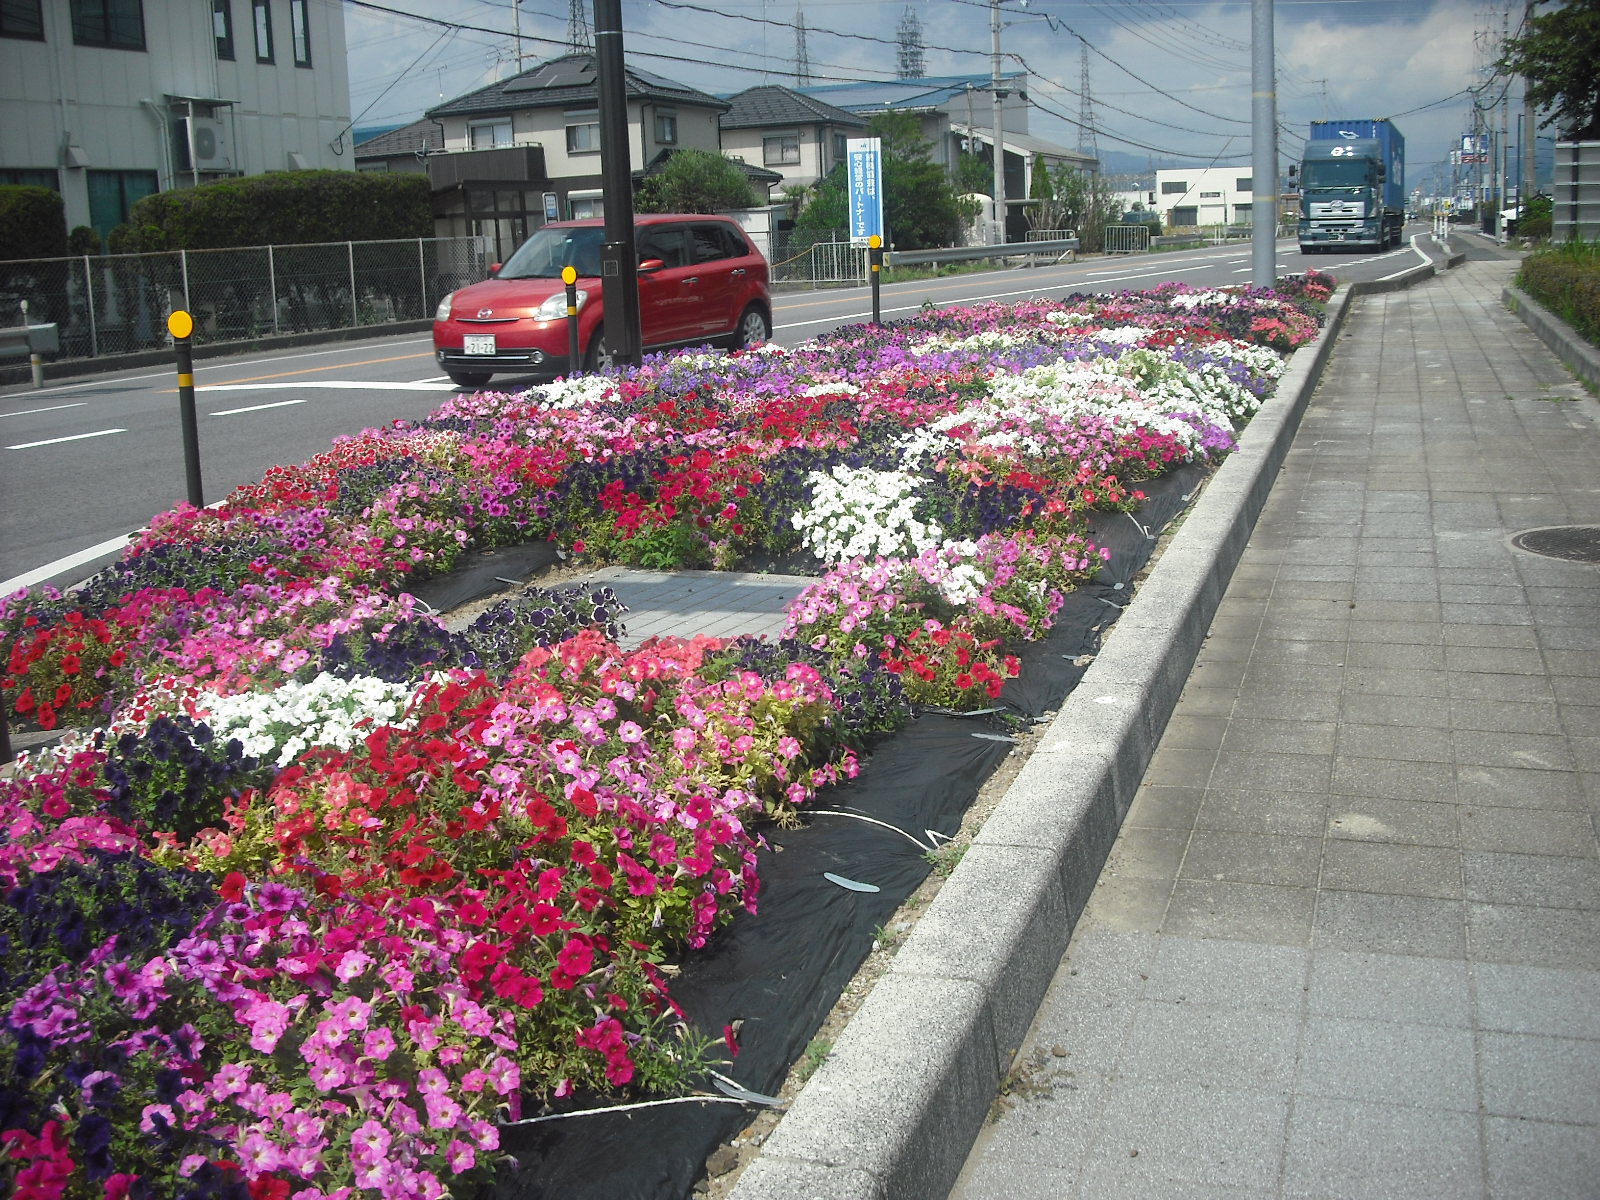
[[1264, 148]]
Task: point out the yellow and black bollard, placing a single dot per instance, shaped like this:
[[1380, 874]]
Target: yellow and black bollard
[[875, 259], [569, 276], [181, 325]]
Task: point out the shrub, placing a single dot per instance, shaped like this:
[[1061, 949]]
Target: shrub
[[33, 223], [1566, 280]]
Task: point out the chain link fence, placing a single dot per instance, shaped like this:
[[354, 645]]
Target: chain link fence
[[118, 303]]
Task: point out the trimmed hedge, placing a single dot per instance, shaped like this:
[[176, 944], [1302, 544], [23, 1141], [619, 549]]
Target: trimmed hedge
[[281, 208], [33, 223], [1566, 280]]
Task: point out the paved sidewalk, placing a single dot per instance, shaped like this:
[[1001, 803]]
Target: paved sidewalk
[[1347, 943]]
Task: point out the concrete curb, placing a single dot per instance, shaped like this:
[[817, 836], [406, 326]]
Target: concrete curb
[[893, 1111], [1582, 359]]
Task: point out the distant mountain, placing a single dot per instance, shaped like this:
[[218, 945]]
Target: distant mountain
[[362, 132]]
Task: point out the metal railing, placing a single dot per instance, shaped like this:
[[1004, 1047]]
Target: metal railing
[[809, 260], [1127, 239], [1044, 247], [118, 303]]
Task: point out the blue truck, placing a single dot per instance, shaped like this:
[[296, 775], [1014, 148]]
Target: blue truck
[[1352, 186]]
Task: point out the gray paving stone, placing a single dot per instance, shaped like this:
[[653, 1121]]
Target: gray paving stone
[[1415, 744], [1241, 975], [1390, 924], [1386, 681], [1389, 987], [1542, 1077], [1521, 831], [1485, 685], [1547, 880], [1165, 807], [1488, 748], [1392, 869], [1389, 1062], [1383, 819], [1542, 1159], [1546, 1000], [1148, 853], [1248, 811], [1356, 1150], [1252, 858], [1518, 787], [1287, 772], [1224, 1045], [1246, 911], [1539, 937]]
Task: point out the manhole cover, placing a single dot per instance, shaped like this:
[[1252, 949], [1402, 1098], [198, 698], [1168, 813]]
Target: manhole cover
[[1575, 543]]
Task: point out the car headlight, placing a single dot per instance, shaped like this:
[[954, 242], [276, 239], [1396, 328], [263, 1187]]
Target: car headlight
[[442, 313], [555, 307]]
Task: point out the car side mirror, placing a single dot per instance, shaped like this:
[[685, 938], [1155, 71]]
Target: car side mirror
[[651, 264], [494, 269]]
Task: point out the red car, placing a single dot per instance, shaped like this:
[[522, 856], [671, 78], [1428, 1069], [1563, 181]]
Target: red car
[[701, 280]]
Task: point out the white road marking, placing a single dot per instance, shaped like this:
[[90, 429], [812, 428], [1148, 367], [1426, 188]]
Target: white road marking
[[76, 437], [40, 574], [233, 412], [347, 385], [53, 408]]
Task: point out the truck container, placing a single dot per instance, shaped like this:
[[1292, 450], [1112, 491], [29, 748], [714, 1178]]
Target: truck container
[[1352, 186]]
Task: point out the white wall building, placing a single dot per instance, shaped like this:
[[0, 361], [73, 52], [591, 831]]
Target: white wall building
[[1192, 196], [111, 100]]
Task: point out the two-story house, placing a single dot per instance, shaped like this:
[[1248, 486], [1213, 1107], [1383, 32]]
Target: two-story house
[[509, 156], [798, 136], [107, 101]]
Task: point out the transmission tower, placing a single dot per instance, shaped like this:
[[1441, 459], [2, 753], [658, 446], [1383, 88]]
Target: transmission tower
[[579, 36], [802, 57], [911, 64], [1086, 138]]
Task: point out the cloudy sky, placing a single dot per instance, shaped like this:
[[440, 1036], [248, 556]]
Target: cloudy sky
[[1168, 78]]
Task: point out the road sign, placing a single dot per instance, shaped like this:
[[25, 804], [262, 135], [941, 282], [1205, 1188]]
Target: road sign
[[865, 158]]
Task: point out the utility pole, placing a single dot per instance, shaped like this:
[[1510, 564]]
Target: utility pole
[[619, 264], [999, 124], [1263, 148], [1529, 170]]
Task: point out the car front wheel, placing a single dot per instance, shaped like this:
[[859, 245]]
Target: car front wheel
[[469, 379], [601, 357], [753, 328]]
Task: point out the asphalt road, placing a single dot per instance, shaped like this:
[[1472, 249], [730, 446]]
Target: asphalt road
[[85, 462]]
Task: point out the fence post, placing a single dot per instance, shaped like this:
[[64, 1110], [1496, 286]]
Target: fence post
[[272, 284], [183, 259], [422, 277], [355, 311], [88, 291]]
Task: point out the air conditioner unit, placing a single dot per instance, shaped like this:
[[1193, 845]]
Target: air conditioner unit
[[208, 138]]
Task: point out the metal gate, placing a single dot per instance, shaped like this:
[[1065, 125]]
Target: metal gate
[[1127, 239]]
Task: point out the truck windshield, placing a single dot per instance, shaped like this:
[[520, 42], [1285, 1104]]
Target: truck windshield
[[1336, 173], [544, 254]]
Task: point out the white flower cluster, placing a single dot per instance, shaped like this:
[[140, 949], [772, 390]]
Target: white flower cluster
[[838, 387], [959, 579], [1174, 387], [1072, 390], [277, 726], [1196, 299], [862, 513], [578, 391]]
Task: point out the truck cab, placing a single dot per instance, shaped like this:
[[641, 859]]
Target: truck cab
[[1352, 186]]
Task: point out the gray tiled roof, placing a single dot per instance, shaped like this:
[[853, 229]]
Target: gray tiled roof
[[569, 80], [759, 107], [408, 139]]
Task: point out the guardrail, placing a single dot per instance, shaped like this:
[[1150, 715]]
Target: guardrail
[[913, 258]]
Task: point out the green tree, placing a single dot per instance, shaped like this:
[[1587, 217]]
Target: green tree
[[1086, 203], [920, 207], [1042, 210], [973, 175], [1559, 55], [695, 181], [33, 223]]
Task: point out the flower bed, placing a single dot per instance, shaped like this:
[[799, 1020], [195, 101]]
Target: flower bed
[[320, 892]]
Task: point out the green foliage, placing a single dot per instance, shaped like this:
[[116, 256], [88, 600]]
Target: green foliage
[[84, 239], [1537, 219], [1085, 202], [281, 208], [1042, 212], [695, 181], [33, 223], [920, 207], [1559, 55], [1566, 280], [973, 175]]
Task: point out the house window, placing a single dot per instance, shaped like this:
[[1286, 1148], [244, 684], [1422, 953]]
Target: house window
[[300, 31], [117, 24], [487, 135], [781, 149], [1185, 215], [113, 193], [841, 147], [1173, 187], [43, 177], [21, 19], [1211, 195], [583, 131], [581, 205], [222, 27], [263, 25], [667, 128], [1247, 184]]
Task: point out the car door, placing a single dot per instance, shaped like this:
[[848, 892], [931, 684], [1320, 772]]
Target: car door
[[719, 267], [668, 293]]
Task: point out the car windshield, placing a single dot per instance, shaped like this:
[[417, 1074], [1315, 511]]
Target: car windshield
[[544, 254]]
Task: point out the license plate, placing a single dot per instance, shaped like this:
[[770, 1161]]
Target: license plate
[[478, 343]]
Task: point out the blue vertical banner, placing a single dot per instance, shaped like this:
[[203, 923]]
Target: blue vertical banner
[[865, 164]]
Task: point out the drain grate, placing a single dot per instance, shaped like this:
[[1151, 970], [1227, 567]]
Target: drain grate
[[1575, 543]]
